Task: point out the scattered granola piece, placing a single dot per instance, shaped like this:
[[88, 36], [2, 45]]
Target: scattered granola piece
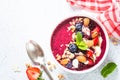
[[54, 66], [61, 77], [72, 28], [49, 63], [64, 61], [58, 57], [50, 67], [16, 69]]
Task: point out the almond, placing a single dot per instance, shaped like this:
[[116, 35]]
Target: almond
[[64, 61], [86, 21], [89, 43], [81, 58]]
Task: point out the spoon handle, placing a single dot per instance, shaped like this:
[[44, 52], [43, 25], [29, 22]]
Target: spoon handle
[[47, 72]]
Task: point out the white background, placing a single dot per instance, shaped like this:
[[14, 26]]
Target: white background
[[24, 20]]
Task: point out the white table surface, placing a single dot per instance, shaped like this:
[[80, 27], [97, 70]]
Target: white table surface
[[24, 20]]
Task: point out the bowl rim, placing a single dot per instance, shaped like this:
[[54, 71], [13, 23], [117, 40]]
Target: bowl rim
[[105, 53]]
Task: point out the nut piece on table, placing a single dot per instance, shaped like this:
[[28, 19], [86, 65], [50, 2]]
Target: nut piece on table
[[61, 77]]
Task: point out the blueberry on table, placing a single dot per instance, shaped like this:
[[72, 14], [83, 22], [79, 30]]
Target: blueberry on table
[[73, 48], [78, 26]]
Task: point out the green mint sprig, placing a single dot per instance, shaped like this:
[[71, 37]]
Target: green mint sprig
[[108, 69], [79, 42]]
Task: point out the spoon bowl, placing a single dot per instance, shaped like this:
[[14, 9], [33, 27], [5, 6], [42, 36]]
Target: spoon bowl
[[35, 52], [36, 55]]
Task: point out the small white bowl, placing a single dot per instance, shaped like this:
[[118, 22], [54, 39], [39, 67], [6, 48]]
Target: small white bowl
[[102, 59]]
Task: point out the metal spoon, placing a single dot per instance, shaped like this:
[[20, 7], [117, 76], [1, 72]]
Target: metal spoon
[[36, 55]]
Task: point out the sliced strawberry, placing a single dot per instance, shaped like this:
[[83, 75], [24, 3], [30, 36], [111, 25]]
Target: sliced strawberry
[[33, 73], [95, 32], [89, 53], [90, 62], [95, 41]]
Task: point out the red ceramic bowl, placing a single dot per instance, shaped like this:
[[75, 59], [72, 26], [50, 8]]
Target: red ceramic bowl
[[62, 36]]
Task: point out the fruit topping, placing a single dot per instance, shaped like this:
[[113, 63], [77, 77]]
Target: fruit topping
[[86, 31], [81, 66], [86, 22], [34, 73], [69, 65], [81, 58], [92, 25], [89, 53], [95, 32], [78, 26], [97, 50], [89, 43], [75, 63], [64, 61], [90, 62], [73, 48], [95, 41]]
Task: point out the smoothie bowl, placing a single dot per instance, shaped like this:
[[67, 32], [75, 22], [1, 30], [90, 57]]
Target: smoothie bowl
[[79, 44]]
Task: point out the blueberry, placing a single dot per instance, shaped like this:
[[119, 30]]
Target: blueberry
[[78, 26], [73, 48], [81, 66], [92, 25], [69, 65]]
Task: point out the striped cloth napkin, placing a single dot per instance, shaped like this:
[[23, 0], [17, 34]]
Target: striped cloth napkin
[[108, 14]]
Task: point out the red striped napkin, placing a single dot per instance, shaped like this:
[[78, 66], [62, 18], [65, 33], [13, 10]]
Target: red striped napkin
[[109, 14]]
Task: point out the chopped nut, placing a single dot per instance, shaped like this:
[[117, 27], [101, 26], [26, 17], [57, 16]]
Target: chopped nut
[[73, 36], [28, 65], [80, 19], [50, 67], [49, 63], [77, 20], [58, 57], [61, 77], [54, 66], [86, 21], [81, 58], [64, 61], [16, 69], [89, 43], [71, 56], [115, 43], [94, 34], [72, 28], [70, 23]]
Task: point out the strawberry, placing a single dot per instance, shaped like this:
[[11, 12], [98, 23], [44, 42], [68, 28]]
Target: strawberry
[[95, 41], [33, 73], [90, 62], [89, 53], [95, 32]]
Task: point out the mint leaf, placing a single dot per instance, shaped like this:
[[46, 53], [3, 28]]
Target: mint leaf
[[78, 38], [82, 45], [108, 69]]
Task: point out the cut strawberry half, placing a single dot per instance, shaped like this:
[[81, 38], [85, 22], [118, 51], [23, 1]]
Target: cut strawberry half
[[89, 53], [95, 41], [95, 32], [90, 62], [33, 73]]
